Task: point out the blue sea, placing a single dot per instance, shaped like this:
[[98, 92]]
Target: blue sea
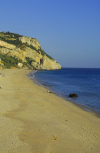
[[85, 82]]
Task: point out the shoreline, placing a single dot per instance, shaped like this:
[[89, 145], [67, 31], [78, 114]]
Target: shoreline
[[40, 83], [34, 120]]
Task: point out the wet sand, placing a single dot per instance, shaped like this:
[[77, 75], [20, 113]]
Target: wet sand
[[35, 121]]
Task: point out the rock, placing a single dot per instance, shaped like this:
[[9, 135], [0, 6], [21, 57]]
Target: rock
[[20, 65], [73, 95], [49, 91], [30, 41]]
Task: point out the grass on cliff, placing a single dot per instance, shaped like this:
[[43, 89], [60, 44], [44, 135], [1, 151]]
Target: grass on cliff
[[29, 60], [13, 38], [10, 34], [10, 41], [9, 61]]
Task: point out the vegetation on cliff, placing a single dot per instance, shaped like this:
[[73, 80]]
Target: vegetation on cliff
[[13, 38], [15, 52], [9, 61]]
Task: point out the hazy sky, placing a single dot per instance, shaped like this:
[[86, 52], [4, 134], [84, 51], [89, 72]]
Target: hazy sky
[[68, 30]]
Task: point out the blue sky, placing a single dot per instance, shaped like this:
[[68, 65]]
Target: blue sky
[[68, 30]]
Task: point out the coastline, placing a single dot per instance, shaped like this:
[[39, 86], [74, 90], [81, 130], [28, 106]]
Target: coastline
[[34, 120], [49, 88]]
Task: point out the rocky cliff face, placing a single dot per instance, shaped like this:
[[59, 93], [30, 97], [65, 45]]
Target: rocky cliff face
[[30, 41], [26, 49]]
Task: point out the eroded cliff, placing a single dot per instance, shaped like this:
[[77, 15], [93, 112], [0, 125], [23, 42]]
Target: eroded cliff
[[27, 51]]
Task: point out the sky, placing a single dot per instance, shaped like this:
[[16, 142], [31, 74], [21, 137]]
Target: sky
[[68, 30]]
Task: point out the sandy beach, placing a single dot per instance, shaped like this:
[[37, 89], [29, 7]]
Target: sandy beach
[[35, 121]]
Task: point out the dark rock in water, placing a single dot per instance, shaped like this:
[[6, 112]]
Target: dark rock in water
[[73, 95]]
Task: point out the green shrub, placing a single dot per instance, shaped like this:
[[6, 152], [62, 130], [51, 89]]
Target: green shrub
[[29, 60], [14, 42], [10, 61], [12, 34]]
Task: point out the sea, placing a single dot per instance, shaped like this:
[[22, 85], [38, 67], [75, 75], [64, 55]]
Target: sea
[[85, 82]]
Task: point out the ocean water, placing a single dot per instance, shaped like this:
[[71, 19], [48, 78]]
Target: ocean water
[[85, 82]]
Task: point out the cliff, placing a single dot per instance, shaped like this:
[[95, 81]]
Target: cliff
[[21, 51]]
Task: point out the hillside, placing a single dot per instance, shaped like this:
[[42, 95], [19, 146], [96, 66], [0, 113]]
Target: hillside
[[24, 52]]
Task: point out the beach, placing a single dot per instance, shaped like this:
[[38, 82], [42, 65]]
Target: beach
[[33, 120]]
